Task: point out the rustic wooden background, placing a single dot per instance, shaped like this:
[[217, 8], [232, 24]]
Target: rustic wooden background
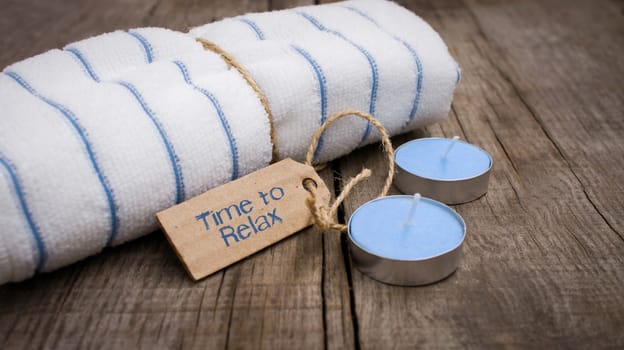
[[544, 259]]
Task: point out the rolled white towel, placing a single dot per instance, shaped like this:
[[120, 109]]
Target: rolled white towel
[[99, 136]]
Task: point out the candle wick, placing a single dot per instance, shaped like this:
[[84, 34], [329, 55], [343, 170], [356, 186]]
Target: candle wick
[[448, 149], [412, 212]]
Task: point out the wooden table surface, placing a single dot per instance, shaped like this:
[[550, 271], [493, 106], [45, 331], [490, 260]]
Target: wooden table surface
[[544, 258]]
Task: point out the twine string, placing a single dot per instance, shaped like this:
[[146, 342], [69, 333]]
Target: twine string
[[322, 214], [233, 63]]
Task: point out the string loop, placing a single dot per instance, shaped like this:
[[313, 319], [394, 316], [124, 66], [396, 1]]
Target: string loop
[[323, 214]]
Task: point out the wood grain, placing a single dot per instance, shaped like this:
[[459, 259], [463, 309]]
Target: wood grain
[[544, 259]]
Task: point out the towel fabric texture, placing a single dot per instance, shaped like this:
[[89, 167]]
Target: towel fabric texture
[[97, 137]]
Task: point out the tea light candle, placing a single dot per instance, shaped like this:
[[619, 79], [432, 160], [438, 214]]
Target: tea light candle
[[448, 170], [406, 240]]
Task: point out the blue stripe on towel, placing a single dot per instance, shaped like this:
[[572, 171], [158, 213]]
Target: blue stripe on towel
[[83, 137], [17, 186], [175, 164], [83, 61], [320, 77], [173, 158], [318, 71], [149, 51], [253, 26], [414, 56], [369, 57], [222, 118]]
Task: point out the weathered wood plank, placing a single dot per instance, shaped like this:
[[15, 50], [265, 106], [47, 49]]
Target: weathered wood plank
[[339, 322], [543, 267], [570, 80]]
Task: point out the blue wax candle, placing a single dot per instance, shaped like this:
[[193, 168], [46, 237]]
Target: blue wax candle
[[426, 158], [381, 228]]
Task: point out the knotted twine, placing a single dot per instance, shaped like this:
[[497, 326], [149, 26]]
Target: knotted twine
[[322, 214]]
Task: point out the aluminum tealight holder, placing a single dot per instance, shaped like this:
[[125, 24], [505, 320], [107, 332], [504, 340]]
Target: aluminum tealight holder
[[421, 270], [453, 190]]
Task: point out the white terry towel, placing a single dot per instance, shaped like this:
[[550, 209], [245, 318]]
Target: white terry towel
[[99, 136]]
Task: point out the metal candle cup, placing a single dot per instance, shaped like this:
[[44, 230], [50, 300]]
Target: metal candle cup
[[447, 170], [396, 244]]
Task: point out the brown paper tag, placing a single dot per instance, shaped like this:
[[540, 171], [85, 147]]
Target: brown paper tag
[[230, 222]]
